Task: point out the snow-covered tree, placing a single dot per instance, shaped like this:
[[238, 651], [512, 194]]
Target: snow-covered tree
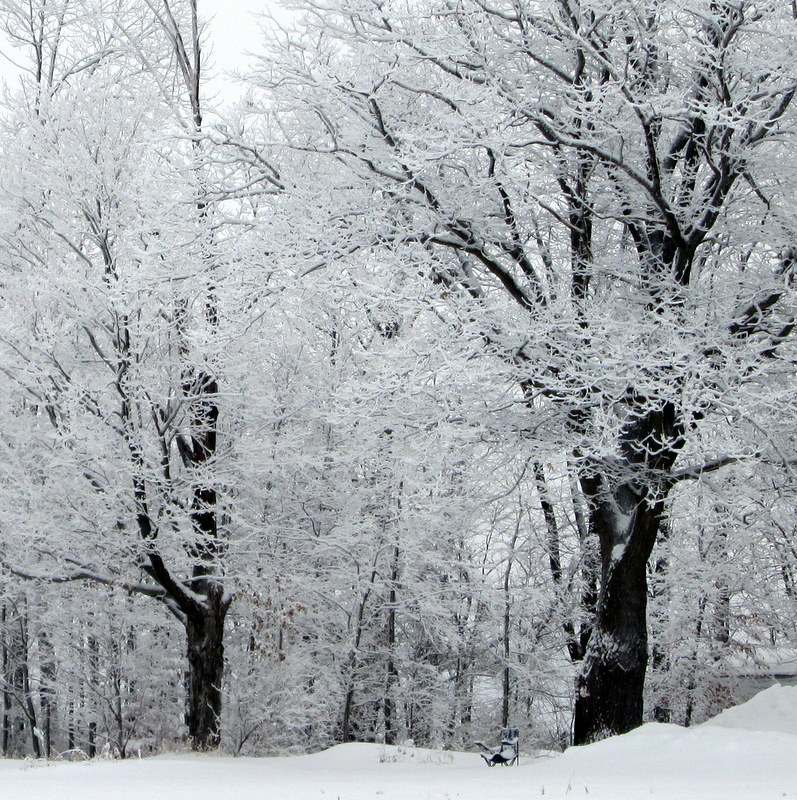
[[111, 257], [601, 183]]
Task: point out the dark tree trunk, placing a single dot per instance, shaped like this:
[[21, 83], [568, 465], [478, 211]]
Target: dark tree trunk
[[6, 678], [506, 677], [610, 688], [70, 726], [346, 734], [22, 683], [205, 639], [627, 515], [92, 748], [389, 702], [47, 690]]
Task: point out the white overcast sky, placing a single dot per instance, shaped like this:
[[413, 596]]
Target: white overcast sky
[[233, 30]]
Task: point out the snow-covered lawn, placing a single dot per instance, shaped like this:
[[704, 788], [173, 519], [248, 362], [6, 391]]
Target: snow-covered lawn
[[747, 753]]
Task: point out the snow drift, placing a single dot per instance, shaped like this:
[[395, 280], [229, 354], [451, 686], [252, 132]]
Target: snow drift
[[746, 753]]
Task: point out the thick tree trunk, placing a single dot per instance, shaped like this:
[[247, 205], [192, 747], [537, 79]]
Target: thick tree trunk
[[627, 516], [610, 687], [205, 640]]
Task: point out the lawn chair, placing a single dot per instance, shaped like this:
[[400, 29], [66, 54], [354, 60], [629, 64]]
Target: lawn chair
[[506, 754]]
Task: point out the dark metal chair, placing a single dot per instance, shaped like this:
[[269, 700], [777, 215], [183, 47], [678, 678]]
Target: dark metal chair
[[506, 754]]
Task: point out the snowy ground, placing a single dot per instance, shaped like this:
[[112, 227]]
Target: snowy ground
[[747, 753]]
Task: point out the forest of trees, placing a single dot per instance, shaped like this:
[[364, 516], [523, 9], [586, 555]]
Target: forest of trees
[[443, 381]]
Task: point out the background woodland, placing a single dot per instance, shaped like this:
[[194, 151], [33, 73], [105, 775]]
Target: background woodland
[[445, 381]]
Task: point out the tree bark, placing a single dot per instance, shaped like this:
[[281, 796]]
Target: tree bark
[[627, 512], [5, 676], [205, 643], [610, 687], [392, 677]]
